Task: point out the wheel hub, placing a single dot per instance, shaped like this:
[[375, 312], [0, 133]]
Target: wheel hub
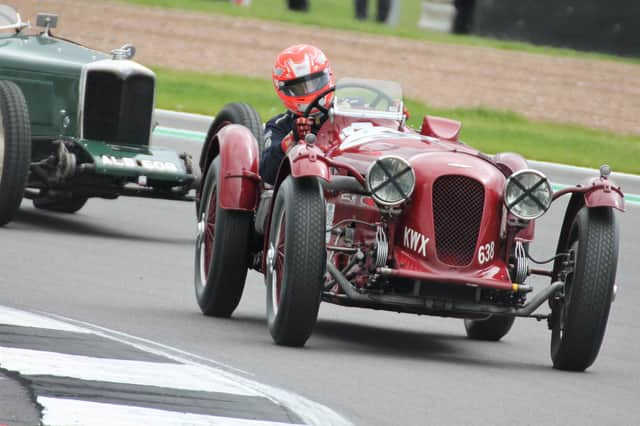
[[271, 257], [200, 227]]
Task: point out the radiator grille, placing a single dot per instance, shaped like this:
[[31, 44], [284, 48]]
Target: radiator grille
[[117, 109], [457, 212]]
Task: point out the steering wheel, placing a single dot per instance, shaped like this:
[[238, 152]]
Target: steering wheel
[[315, 103], [380, 95]]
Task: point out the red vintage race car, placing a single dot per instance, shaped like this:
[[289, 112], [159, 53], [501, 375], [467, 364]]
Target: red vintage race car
[[373, 214]]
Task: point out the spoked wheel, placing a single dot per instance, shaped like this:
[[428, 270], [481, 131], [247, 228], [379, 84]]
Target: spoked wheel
[[222, 246], [15, 149], [70, 204], [579, 318], [492, 329], [296, 260]]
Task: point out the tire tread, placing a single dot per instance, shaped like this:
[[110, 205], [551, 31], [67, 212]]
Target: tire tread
[[593, 289], [17, 154]]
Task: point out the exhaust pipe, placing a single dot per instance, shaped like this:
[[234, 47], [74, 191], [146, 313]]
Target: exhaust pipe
[[372, 300]]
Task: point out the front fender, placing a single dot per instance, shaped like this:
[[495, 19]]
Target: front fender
[[308, 161], [596, 192], [238, 176], [604, 196]]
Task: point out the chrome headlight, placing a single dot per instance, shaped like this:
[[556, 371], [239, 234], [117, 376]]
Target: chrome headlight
[[391, 180], [527, 194]]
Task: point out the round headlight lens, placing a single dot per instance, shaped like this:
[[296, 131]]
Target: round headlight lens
[[391, 180], [528, 194]]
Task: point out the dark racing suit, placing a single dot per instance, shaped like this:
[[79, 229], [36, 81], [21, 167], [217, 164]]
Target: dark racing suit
[[275, 131]]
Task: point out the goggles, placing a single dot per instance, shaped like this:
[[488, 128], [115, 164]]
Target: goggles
[[305, 85]]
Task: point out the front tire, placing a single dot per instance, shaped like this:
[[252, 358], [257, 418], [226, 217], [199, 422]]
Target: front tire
[[491, 329], [15, 149], [296, 261], [222, 247], [579, 319]]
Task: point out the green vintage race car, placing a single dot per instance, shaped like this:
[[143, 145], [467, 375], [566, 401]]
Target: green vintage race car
[[76, 123]]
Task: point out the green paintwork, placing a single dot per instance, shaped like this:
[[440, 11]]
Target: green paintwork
[[48, 72], [140, 161]]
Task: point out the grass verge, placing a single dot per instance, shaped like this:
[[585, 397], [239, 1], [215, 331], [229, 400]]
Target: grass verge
[[339, 14], [486, 130]]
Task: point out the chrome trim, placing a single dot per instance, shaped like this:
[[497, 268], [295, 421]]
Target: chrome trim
[[409, 193], [545, 181], [120, 67]]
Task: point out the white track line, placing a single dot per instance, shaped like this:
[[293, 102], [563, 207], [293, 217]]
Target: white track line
[[167, 375], [310, 412], [10, 316], [57, 412]]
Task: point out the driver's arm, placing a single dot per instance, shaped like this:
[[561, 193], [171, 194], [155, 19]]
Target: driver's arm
[[277, 133]]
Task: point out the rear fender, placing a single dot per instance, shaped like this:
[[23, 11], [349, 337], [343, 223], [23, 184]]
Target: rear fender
[[238, 176], [510, 162]]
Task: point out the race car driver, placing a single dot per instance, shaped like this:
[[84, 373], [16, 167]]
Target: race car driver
[[300, 73]]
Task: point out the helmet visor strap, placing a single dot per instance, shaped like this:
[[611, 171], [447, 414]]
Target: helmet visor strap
[[306, 84]]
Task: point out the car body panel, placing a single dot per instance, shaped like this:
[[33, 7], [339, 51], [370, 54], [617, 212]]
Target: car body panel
[[239, 165], [48, 71], [451, 247], [134, 161], [91, 114]]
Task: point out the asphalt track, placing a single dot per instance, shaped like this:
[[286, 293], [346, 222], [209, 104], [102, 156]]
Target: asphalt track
[[128, 265]]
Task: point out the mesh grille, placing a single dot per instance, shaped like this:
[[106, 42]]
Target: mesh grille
[[457, 211]]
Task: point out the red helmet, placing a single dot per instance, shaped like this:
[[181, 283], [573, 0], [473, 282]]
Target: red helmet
[[301, 72]]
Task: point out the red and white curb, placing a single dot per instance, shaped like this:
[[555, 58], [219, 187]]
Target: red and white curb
[[76, 389]]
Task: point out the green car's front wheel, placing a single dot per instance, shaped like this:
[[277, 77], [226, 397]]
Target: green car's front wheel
[[15, 149], [222, 246]]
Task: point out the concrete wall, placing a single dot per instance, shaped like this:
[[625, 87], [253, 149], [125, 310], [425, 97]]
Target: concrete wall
[[611, 26]]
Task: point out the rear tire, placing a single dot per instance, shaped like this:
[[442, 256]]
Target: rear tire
[[15, 149], [70, 204], [491, 329], [222, 247], [244, 114], [296, 261], [579, 319]]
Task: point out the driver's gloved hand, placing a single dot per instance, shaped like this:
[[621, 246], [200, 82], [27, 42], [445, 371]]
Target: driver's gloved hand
[[303, 125]]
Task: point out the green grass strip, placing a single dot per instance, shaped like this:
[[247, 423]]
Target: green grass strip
[[339, 14], [486, 130]]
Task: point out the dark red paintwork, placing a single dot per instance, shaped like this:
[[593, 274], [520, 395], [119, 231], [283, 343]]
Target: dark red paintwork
[[430, 159], [598, 192], [441, 128], [238, 178], [434, 153]]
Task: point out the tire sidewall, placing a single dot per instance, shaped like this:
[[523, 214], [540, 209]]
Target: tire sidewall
[[568, 329], [274, 316], [300, 290], [210, 184], [16, 149]]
